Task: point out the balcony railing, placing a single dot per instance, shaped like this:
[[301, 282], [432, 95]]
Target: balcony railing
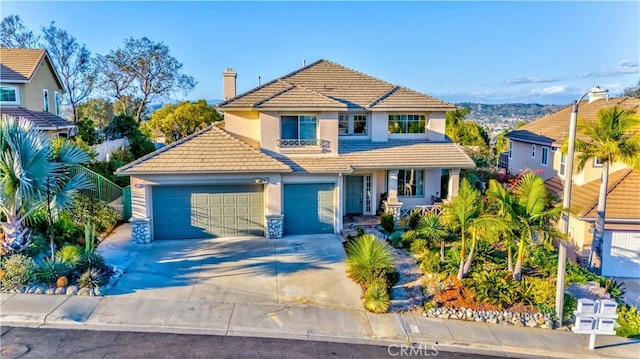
[[503, 162], [303, 143]]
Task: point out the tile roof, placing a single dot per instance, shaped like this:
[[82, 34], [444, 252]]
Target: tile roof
[[40, 119], [336, 82], [19, 65], [211, 150], [622, 198], [295, 96], [554, 128]]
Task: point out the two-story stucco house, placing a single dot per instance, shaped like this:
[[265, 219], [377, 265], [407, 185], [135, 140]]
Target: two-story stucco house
[[537, 146], [296, 155], [30, 88]]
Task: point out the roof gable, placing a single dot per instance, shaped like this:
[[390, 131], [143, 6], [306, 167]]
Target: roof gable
[[294, 96], [18, 65], [351, 88], [211, 150]]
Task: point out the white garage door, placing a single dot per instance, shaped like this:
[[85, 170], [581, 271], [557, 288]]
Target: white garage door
[[621, 254]]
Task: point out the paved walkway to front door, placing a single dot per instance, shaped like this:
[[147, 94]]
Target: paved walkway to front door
[[306, 269]]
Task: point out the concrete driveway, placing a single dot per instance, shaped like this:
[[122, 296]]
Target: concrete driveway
[[306, 270]]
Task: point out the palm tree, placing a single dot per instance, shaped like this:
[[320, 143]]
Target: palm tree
[[458, 214], [484, 225], [525, 210], [430, 227], [613, 137], [504, 203], [31, 178]]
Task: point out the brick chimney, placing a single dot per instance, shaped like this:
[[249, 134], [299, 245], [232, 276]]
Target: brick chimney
[[229, 83]]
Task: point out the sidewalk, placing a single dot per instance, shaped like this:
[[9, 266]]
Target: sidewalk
[[113, 312]]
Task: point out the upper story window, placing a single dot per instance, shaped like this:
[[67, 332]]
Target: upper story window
[[544, 160], [533, 151], [45, 98], [56, 98], [299, 127], [9, 95], [563, 163], [352, 125], [510, 149], [407, 123], [410, 183]]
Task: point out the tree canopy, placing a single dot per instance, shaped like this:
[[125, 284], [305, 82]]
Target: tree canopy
[[13, 33], [463, 131], [183, 119]]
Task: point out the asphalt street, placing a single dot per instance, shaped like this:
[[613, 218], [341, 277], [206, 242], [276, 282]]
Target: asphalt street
[[57, 343]]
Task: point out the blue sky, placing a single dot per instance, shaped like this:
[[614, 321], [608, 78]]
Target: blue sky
[[492, 52]]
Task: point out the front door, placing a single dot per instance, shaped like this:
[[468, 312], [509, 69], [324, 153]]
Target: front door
[[354, 195]]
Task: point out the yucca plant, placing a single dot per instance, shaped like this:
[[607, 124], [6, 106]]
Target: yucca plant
[[376, 298], [368, 258], [70, 254], [93, 278], [50, 270]]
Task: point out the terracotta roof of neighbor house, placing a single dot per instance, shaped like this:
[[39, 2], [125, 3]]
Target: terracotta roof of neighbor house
[[40, 119], [554, 128], [623, 197], [335, 82], [19, 65], [211, 150]]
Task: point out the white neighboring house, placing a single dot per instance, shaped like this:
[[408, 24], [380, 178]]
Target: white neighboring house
[[297, 154], [536, 146]]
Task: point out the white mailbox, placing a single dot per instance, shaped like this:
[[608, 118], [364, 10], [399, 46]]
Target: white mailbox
[[584, 323], [607, 306], [586, 306], [605, 324]]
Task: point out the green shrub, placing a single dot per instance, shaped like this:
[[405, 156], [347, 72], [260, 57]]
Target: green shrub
[[18, 271], [65, 230], [368, 258], [615, 289], [543, 259], [538, 291], [85, 209], [376, 298], [629, 321], [360, 231], [39, 244], [91, 260], [414, 219], [430, 262], [452, 262], [395, 239], [71, 254], [419, 247], [387, 222], [570, 304], [93, 278], [408, 237], [578, 274], [485, 252], [496, 288], [49, 271]]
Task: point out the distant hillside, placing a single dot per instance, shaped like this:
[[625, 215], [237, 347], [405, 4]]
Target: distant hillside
[[506, 116]]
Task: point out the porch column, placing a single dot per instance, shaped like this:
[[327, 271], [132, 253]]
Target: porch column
[[392, 205], [454, 183]]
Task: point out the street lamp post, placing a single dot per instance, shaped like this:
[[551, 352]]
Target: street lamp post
[[566, 201]]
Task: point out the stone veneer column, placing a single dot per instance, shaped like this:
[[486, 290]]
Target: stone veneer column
[[140, 230], [394, 209], [274, 226]]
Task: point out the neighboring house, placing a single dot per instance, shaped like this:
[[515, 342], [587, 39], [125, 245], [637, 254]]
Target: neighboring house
[[621, 247], [30, 88], [297, 154]]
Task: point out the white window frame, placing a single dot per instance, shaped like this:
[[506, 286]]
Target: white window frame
[[45, 100], [533, 151], [510, 149], [597, 163], [544, 158], [350, 119], [56, 101], [563, 164], [17, 92]]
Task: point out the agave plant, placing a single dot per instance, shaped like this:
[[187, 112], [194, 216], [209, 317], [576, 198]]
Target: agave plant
[[32, 176]]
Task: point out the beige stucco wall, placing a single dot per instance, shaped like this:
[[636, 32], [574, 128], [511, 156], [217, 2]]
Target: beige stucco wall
[[379, 126], [591, 172], [42, 79], [243, 123], [521, 158], [436, 126], [328, 123]]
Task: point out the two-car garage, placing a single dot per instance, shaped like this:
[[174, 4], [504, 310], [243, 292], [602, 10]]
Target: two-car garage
[[199, 211]]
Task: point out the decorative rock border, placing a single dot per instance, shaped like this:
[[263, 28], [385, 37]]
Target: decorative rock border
[[40, 288], [537, 320]]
